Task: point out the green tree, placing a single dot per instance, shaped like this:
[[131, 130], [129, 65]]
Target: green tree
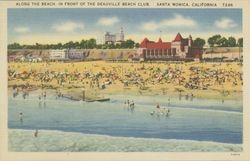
[[90, 44], [99, 46], [111, 46], [240, 42], [214, 40], [59, 46], [198, 42], [38, 46], [223, 42], [117, 46], [128, 44], [76, 45], [105, 46], [69, 45], [137, 45], [14, 46], [83, 44], [231, 42]]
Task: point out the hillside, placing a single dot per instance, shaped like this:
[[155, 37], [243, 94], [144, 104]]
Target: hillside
[[105, 54], [223, 50]]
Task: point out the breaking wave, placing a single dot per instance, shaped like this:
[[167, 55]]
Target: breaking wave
[[58, 141]]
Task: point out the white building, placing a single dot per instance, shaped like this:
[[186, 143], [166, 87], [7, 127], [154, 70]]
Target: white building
[[75, 54], [109, 38], [114, 38], [100, 39], [66, 54], [120, 36], [58, 54]]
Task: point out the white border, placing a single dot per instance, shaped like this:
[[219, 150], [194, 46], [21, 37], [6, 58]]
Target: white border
[[82, 156]]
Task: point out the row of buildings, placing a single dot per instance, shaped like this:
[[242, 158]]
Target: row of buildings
[[178, 49]]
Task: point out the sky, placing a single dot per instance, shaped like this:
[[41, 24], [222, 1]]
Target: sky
[[30, 26]]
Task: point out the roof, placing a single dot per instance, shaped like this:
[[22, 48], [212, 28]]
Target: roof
[[159, 40], [155, 45], [178, 37], [163, 45]]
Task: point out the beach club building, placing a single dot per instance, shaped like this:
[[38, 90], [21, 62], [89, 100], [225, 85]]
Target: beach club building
[[179, 49]]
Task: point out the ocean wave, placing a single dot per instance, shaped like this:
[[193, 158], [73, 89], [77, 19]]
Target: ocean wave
[[208, 110], [57, 141]]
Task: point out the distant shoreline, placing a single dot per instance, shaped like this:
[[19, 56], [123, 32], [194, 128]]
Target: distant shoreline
[[75, 93]]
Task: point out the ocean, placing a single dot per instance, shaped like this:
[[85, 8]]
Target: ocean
[[192, 121]]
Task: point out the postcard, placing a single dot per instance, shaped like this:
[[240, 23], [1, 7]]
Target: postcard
[[124, 80]]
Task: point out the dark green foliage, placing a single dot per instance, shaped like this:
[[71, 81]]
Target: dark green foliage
[[214, 40], [198, 42], [84, 44], [219, 41], [240, 42]]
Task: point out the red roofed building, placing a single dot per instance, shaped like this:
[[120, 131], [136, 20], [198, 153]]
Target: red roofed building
[[179, 48]]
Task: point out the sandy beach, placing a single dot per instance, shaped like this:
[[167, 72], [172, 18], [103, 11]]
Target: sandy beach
[[203, 80]]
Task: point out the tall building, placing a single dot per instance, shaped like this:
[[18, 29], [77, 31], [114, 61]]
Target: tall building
[[109, 38], [114, 38], [120, 36], [179, 48]]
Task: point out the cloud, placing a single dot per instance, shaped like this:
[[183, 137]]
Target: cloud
[[22, 29], [150, 26], [225, 23], [68, 26], [177, 21], [108, 21]]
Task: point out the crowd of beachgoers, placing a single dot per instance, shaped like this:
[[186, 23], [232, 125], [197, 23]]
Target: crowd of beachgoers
[[139, 75]]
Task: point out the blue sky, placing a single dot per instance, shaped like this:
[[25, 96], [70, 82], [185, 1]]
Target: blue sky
[[28, 26]]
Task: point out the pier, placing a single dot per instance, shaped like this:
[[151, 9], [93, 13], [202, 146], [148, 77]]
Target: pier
[[82, 97]]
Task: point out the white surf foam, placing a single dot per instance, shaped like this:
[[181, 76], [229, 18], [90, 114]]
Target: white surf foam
[[57, 141]]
